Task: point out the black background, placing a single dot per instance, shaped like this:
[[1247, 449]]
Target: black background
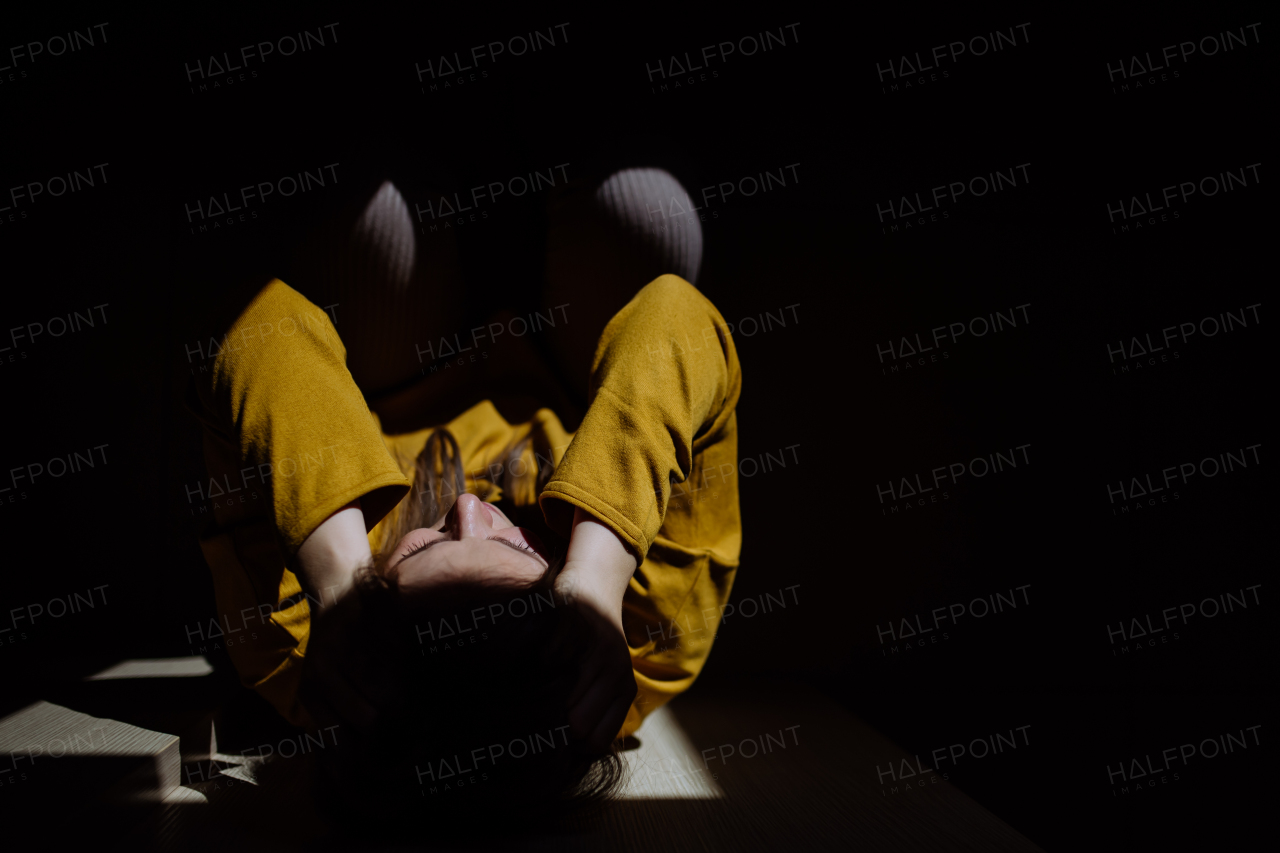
[[816, 385]]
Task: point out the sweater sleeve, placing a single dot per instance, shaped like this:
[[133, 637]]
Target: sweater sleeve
[[664, 384], [280, 400], [656, 460], [288, 440]]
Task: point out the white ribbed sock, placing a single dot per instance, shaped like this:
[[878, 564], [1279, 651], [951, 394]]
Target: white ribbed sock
[[396, 290]]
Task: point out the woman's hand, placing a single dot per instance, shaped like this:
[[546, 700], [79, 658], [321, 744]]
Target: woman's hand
[[339, 682], [591, 584]]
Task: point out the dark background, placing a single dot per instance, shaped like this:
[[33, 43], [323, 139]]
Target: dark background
[[816, 383]]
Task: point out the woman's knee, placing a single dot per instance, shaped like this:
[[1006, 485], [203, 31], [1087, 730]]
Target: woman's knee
[[626, 229], [396, 288]]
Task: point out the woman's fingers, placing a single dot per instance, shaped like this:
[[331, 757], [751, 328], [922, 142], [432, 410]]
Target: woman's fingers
[[559, 649], [605, 683], [588, 674], [608, 656], [584, 714], [610, 686], [610, 723], [348, 676], [373, 678], [332, 688]]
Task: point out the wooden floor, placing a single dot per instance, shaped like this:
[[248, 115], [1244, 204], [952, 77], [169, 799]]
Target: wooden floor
[[753, 767]]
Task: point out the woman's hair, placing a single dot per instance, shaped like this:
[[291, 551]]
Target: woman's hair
[[479, 735]]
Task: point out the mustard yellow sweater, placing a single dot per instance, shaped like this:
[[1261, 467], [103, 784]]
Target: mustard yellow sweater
[[288, 440]]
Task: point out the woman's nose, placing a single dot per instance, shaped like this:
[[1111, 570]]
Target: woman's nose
[[469, 518]]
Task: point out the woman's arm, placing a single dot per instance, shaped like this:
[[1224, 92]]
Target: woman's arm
[[598, 565], [663, 388], [329, 557], [337, 686], [297, 472], [592, 583], [284, 413]]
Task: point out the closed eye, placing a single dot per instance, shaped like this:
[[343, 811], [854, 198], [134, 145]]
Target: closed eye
[[510, 544], [420, 548]]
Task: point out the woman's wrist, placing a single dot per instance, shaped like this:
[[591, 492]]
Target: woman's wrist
[[329, 558], [598, 566]]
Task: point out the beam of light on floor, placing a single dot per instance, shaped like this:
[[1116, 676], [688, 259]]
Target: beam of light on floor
[[666, 766], [42, 736], [193, 666]]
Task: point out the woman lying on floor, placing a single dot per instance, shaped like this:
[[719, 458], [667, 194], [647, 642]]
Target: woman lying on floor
[[483, 608]]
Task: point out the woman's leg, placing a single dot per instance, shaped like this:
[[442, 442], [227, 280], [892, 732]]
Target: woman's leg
[[395, 290], [606, 239]]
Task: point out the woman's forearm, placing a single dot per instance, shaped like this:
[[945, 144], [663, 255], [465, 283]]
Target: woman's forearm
[[658, 409], [329, 557], [598, 565]]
